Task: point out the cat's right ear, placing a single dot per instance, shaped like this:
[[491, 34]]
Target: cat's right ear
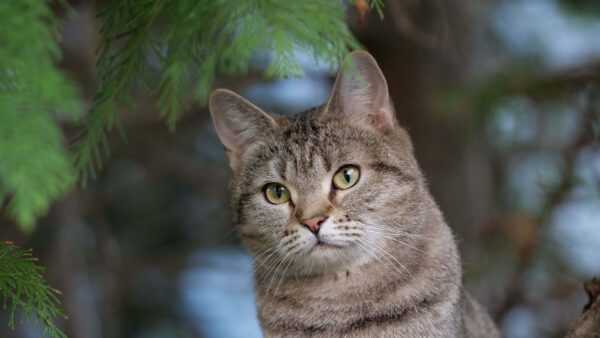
[[238, 122]]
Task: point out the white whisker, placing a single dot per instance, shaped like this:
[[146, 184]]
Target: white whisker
[[374, 251], [284, 272], [281, 262], [396, 231], [397, 240], [388, 254]]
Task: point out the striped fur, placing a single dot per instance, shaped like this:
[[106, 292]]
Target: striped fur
[[389, 266]]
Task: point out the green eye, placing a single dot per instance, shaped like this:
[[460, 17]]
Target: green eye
[[346, 177], [276, 193]]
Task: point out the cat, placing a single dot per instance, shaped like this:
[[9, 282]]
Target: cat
[[345, 237]]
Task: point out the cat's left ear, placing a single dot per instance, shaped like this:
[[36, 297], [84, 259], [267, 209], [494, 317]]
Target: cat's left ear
[[360, 94]]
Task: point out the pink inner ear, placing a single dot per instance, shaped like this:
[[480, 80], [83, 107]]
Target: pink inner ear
[[381, 120], [376, 120]]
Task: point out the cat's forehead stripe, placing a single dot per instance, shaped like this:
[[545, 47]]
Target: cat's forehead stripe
[[304, 148], [304, 145]]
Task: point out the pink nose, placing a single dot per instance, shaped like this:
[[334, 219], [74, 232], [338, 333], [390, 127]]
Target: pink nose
[[313, 224]]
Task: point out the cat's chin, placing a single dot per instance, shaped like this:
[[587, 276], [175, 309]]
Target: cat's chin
[[326, 252], [329, 252], [327, 249], [330, 257]]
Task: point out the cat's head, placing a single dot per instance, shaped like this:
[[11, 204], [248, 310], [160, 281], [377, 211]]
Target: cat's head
[[328, 189]]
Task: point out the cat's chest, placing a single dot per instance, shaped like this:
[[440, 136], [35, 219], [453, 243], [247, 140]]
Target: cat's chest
[[342, 297], [373, 315]]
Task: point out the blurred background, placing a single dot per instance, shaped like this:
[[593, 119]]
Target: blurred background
[[501, 98]]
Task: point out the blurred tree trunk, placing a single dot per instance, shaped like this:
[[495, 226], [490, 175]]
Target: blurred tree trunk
[[587, 325], [423, 48]]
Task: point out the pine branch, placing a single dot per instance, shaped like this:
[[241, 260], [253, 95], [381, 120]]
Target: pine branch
[[35, 167], [176, 48], [23, 288]]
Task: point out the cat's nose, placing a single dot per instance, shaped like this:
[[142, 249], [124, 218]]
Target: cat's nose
[[313, 224]]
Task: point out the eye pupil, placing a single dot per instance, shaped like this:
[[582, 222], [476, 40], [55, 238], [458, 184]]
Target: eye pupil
[[348, 175]]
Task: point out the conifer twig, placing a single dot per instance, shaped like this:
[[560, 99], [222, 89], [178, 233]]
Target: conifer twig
[[24, 291]]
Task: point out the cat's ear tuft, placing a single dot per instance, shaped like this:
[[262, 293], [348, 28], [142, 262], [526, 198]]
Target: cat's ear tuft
[[360, 94], [238, 122]]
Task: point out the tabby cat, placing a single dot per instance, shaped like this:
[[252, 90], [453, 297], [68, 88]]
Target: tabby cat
[[346, 238]]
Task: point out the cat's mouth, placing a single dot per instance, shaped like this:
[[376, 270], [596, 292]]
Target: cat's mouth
[[324, 245]]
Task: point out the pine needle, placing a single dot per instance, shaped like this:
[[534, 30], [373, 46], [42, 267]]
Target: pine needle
[[24, 289]]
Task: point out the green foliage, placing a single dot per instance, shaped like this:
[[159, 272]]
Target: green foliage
[[172, 49], [378, 6], [23, 288], [176, 48], [35, 167]]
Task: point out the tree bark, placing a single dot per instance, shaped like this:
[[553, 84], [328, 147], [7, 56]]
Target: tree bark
[[587, 325]]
